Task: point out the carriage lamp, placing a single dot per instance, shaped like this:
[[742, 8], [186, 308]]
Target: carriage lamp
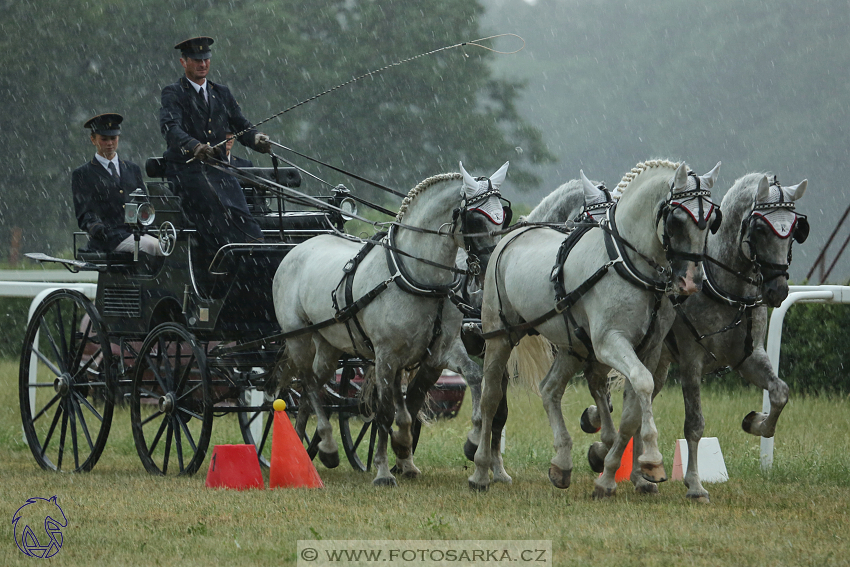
[[344, 202], [139, 209]]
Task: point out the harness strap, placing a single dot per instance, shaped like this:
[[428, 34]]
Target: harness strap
[[712, 290], [406, 282], [623, 264]]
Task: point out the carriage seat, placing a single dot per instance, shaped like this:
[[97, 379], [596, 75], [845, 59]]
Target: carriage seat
[[101, 257]]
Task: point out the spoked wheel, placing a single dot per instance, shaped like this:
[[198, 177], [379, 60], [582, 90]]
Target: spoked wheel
[[358, 431], [66, 383], [257, 427], [171, 408]]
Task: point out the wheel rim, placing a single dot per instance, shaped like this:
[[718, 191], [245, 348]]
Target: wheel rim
[[358, 431], [171, 403], [66, 383]]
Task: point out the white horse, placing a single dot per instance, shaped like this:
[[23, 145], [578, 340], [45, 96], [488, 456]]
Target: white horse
[[579, 200], [657, 227], [746, 271], [401, 326]]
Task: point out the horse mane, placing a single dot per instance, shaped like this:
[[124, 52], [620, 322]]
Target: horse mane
[[748, 182], [423, 185], [640, 168]]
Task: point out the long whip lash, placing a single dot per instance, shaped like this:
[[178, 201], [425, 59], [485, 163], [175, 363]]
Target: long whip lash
[[473, 43]]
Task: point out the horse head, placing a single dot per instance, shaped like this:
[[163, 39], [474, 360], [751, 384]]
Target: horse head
[[767, 232], [681, 222], [481, 212], [597, 200]]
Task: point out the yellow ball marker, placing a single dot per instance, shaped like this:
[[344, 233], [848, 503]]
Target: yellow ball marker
[[279, 405]]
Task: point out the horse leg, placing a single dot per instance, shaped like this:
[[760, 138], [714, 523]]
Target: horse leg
[[385, 378], [642, 485], [605, 486], [600, 414], [552, 391], [618, 353], [324, 367], [758, 370], [495, 359], [691, 374], [417, 391], [499, 420]]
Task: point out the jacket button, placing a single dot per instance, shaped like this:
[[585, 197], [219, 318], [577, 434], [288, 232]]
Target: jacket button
[[121, 191], [209, 131]]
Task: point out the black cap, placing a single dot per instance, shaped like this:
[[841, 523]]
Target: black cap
[[195, 48], [108, 124]]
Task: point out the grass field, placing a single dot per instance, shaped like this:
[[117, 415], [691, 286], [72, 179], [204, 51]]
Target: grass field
[[795, 515]]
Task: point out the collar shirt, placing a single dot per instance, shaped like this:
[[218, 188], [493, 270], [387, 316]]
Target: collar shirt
[[105, 163], [198, 88]]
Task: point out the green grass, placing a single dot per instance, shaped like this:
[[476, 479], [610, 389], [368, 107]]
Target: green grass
[[795, 515]]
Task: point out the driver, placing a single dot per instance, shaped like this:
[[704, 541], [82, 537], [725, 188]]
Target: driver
[[102, 186], [196, 114]]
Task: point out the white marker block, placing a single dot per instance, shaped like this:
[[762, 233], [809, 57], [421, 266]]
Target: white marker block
[[710, 463]]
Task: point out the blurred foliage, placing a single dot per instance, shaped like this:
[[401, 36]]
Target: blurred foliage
[[61, 63], [814, 348]]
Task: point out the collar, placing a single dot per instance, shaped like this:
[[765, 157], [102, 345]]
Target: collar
[[105, 162]]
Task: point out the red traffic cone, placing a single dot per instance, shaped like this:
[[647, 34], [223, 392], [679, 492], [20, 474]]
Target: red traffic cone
[[291, 467], [234, 466], [625, 470]]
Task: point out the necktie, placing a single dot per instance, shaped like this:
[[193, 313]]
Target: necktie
[[113, 171], [203, 98]]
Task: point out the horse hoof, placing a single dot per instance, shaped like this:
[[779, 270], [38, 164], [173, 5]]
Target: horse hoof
[[600, 493], [747, 424], [330, 460], [699, 498], [559, 477], [469, 449], [385, 481], [597, 463], [586, 425], [411, 473], [476, 487], [646, 488], [653, 473]]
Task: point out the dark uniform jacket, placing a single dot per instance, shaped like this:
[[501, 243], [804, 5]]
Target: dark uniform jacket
[[186, 121], [99, 199]]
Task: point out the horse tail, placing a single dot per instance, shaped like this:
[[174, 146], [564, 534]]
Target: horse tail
[[531, 360]]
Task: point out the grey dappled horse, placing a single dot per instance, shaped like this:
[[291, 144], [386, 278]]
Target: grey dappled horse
[[725, 326], [402, 326], [621, 322]]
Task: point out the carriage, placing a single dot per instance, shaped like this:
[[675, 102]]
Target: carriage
[[181, 338]]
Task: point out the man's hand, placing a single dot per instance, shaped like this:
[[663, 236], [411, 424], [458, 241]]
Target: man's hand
[[262, 143], [203, 152]]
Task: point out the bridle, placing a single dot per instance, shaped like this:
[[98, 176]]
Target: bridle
[[798, 231], [680, 200], [460, 219]]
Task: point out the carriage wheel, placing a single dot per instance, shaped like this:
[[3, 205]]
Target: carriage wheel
[[358, 432], [261, 423], [171, 408], [66, 383]]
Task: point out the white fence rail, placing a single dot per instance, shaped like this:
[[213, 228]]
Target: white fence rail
[[796, 294]]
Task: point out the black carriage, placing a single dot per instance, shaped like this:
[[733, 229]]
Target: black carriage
[[180, 338]]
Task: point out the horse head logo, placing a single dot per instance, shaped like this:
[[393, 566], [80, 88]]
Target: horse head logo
[[38, 527]]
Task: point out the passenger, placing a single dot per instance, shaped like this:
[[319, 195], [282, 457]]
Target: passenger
[[232, 159], [195, 116], [102, 186]]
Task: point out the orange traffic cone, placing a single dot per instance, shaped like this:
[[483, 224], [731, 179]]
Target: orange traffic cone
[[234, 466], [625, 470], [290, 465]]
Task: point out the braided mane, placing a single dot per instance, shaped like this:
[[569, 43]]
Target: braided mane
[[413, 193], [637, 170]]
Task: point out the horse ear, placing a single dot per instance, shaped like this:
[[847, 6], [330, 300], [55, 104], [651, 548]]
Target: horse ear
[[763, 191], [796, 191], [707, 180], [680, 178], [591, 191], [470, 185], [498, 178]]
